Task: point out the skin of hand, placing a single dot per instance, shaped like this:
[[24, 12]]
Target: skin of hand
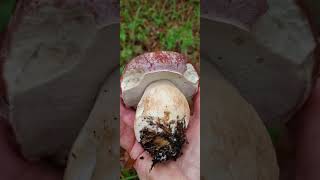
[[186, 167]]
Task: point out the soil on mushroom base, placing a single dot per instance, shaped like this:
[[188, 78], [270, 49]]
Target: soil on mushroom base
[[164, 145]]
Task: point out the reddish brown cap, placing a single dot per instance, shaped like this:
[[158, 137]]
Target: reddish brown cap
[[150, 67]]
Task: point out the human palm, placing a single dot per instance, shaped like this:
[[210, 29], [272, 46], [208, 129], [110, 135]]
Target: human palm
[[185, 167]]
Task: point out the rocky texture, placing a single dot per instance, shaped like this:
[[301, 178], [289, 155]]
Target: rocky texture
[[270, 60], [96, 150], [235, 143], [57, 55]]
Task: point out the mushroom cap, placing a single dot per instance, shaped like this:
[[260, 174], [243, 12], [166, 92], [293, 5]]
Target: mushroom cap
[[162, 65]]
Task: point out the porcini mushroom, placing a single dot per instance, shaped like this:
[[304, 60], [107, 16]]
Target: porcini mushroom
[[236, 141], [159, 85]]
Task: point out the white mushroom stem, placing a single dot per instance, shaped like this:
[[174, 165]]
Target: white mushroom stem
[[162, 102]]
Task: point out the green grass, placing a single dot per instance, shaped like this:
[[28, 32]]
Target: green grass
[[6, 9], [128, 174], [159, 25]]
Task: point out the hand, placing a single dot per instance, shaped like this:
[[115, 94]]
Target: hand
[[186, 167], [14, 167]]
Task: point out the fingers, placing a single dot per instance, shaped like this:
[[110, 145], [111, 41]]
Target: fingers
[[142, 165], [126, 115], [136, 150], [196, 104], [127, 137], [168, 170]]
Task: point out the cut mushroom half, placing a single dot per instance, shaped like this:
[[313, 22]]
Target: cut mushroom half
[[234, 142], [97, 145], [53, 72], [159, 85], [271, 61]]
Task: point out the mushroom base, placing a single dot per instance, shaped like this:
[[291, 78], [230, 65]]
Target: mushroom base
[[164, 145]]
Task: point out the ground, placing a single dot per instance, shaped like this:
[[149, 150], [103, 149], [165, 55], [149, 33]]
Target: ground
[[159, 25]]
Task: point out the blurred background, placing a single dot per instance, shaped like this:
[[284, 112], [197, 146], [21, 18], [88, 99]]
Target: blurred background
[[160, 25]]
